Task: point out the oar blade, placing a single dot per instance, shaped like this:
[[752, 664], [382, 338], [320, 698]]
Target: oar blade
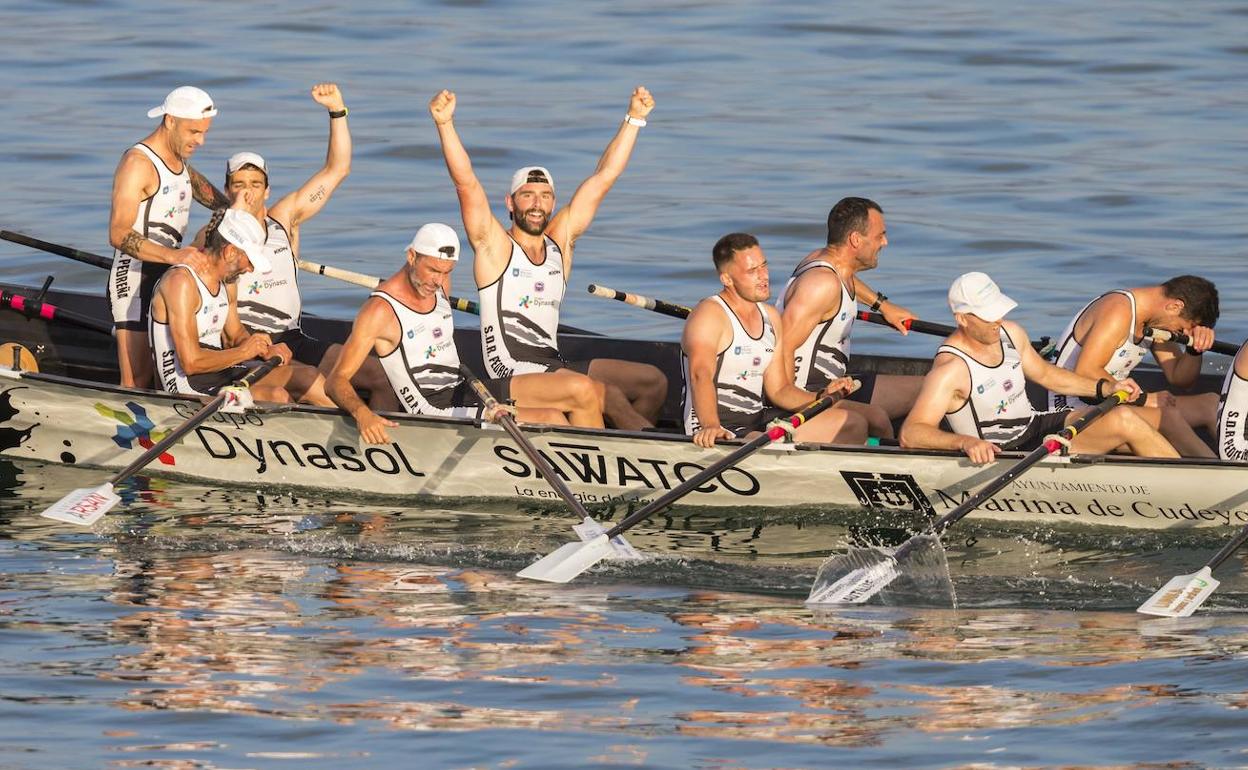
[[621, 549], [568, 561], [853, 577], [1181, 596], [83, 506]]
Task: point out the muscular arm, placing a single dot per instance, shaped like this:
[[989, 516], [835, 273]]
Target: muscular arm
[[815, 294], [895, 314], [778, 378], [1180, 369], [1052, 377], [1104, 326], [944, 388], [375, 325], [180, 299], [135, 180], [309, 199], [204, 193], [705, 335]]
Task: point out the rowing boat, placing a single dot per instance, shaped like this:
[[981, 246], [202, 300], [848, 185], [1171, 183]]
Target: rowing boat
[[70, 413]]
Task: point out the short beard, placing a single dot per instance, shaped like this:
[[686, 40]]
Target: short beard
[[522, 222]]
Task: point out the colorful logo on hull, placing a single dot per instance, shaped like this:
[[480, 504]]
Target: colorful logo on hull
[[135, 427]]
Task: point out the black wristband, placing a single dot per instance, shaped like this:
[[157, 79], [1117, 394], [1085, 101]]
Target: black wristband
[[1191, 351], [338, 114], [1139, 400], [880, 298], [1100, 390]]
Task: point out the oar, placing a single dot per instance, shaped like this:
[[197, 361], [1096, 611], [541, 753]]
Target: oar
[[371, 282], [1184, 593], [646, 303], [1165, 335], [571, 559], [85, 506], [864, 572], [56, 248], [913, 324], [36, 308]]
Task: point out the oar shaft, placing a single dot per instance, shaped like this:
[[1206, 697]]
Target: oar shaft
[[715, 468], [1231, 547], [176, 435], [55, 248], [1219, 346], [913, 324], [35, 308], [646, 303]]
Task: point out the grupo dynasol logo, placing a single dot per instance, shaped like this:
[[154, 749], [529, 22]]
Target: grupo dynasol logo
[[135, 427]]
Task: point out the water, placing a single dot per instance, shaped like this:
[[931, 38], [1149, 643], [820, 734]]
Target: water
[[1066, 148]]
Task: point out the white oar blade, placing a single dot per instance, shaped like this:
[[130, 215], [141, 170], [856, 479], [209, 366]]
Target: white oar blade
[[83, 506], [857, 584], [568, 561], [1181, 596], [621, 549]]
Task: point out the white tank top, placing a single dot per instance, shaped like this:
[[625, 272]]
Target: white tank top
[[997, 408], [270, 302], [520, 314], [423, 368], [162, 218], [824, 356], [738, 373], [1232, 411], [210, 319], [1124, 360]]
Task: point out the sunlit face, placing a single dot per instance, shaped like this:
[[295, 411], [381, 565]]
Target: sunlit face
[[871, 242], [531, 206], [427, 274], [747, 275], [186, 135], [248, 179], [983, 332]]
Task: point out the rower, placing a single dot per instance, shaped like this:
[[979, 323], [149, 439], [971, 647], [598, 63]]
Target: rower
[[820, 303], [270, 301], [978, 383], [522, 272], [1106, 339], [407, 322], [152, 191], [729, 362], [1232, 417], [199, 344]]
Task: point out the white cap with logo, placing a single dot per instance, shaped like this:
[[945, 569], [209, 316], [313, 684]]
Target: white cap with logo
[[531, 175], [241, 229], [436, 240], [977, 294], [185, 102], [240, 159]]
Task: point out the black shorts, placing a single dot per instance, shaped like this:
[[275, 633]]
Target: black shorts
[[742, 427], [555, 364], [211, 383], [306, 349], [1042, 425], [816, 383], [463, 397]]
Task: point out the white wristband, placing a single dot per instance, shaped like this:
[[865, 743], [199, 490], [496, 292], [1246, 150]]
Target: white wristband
[[639, 122]]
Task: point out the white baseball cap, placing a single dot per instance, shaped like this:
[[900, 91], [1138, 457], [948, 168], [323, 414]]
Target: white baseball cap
[[436, 240], [976, 293], [240, 159], [185, 102], [531, 175], [241, 229]]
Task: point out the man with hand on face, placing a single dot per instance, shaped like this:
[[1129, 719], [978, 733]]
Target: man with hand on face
[[728, 355], [198, 343], [522, 272], [152, 191], [407, 322], [978, 383]]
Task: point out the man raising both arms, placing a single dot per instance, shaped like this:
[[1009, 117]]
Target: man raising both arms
[[407, 322], [729, 362], [152, 191], [820, 303], [522, 272], [269, 301]]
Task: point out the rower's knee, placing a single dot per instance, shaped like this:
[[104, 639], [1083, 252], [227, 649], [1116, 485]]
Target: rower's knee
[[855, 429], [587, 393]]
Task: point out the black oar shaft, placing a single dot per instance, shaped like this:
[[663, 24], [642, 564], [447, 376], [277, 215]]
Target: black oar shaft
[[56, 248], [176, 435], [1219, 346], [37, 309], [913, 324], [638, 300]]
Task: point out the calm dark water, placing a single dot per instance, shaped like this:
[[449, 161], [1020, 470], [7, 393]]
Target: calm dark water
[[1066, 148]]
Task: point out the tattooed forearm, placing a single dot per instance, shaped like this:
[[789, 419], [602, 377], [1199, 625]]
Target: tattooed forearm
[[204, 193], [130, 244]]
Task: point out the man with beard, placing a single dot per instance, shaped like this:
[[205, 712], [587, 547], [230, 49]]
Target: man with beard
[[407, 322], [152, 188], [820, 303], [522, 272], [729, 362], [198, 343]]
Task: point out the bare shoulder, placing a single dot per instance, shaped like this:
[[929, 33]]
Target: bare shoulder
[[1018, 335], [135, 170]]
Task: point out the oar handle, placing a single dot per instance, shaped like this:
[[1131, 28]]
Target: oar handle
[[37, 309], [350, 276], [1050, 446], [646, 303], [772, 434], [193, 422], [913, 324], [56, 248], [526, 446], [1165, 335]]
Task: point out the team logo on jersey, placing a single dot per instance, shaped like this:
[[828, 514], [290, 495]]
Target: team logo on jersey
[[757, 360], [182, 195], [437, 332], [429, 351], [172, 210], [411, 333], [524, 301], [1122, 353], [980, 390], [539, 286], [165, 191], [844, 316], [253, 287], [1002, 406], [737, 350], [744, 375]]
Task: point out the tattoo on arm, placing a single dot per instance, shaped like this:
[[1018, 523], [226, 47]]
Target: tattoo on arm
[[130, 244], [204, 193], [317, 195]]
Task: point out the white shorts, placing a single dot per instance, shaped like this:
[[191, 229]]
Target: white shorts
[[131, 286]]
